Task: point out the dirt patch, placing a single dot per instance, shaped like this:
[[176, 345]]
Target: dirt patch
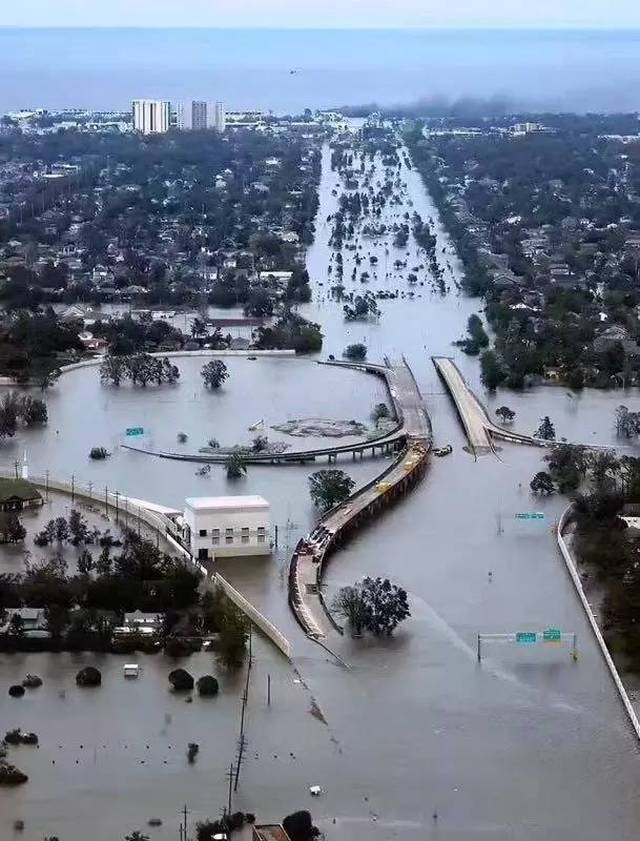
[[321, 428]]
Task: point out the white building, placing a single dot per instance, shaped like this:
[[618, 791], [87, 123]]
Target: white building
[[226, 526], [216, 116], [180, 116], [151, 116]]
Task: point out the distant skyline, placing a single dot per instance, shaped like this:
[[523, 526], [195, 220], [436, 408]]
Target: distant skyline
[[352, 14]]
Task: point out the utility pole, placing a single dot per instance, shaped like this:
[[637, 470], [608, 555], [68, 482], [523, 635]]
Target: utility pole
[[183, 823], [269, 690], [242, 742], [230, 776]]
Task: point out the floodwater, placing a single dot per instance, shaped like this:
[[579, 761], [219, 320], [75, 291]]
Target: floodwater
[[14, 555], [525, 746]]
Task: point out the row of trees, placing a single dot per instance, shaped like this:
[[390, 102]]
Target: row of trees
[[627, 423], [362, 308], [602, 484], [138, 576], [140, 368], [74, 530], [570, 466], [292, 331]]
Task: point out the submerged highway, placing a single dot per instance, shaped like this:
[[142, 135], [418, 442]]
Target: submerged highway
[[526, 746]]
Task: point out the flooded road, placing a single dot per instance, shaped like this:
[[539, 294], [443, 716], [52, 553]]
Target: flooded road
[[526, 746]]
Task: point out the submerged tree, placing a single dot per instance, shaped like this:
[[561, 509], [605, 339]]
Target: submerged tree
[[214, 373], [356, 352], [330, 487], [546, 430], [380, 412], [235, 466], [375, 605], [492, 371], [627, 423], [350, 605], [542, 484], [231, 647], [11, 529], [568, 465], [505, 414]]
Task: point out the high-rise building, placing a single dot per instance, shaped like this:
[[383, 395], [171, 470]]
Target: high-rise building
[[178, 115], [219, 117], [198, 115], [151, 116], [216, 116]]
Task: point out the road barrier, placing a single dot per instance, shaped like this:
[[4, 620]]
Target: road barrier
[[565, 519], [267, 628]]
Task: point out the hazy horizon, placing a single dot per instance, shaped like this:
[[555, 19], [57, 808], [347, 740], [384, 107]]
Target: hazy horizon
[[289, 69], [297, 28], [476, 14]]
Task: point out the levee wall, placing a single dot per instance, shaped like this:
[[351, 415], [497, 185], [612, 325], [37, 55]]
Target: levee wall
[[564, 521]]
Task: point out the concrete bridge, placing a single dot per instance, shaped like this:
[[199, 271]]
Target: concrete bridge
[[480, 429], [412, 421], [337, 525]]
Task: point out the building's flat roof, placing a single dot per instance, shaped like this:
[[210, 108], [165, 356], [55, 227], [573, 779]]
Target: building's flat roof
[[153, 506], [226, 503]]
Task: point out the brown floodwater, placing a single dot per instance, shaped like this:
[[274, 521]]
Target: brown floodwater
[[526, 746]]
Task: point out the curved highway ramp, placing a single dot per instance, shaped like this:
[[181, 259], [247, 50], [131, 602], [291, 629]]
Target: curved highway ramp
[[365, 505]]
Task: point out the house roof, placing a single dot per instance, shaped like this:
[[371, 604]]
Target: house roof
[[20, 488], [27, 614], [270, 832]]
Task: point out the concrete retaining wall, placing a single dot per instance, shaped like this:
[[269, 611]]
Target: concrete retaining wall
[[182, 354], [267, 628], [565, 519]]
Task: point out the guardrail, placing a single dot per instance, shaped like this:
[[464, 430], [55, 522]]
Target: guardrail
[[565, 519]]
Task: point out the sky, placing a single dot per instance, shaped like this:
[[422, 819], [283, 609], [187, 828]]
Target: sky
[[486, 14]]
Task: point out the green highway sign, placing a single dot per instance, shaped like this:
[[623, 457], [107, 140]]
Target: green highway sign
[[526, 637], [135, 430], [526, 515], [552, 635]]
